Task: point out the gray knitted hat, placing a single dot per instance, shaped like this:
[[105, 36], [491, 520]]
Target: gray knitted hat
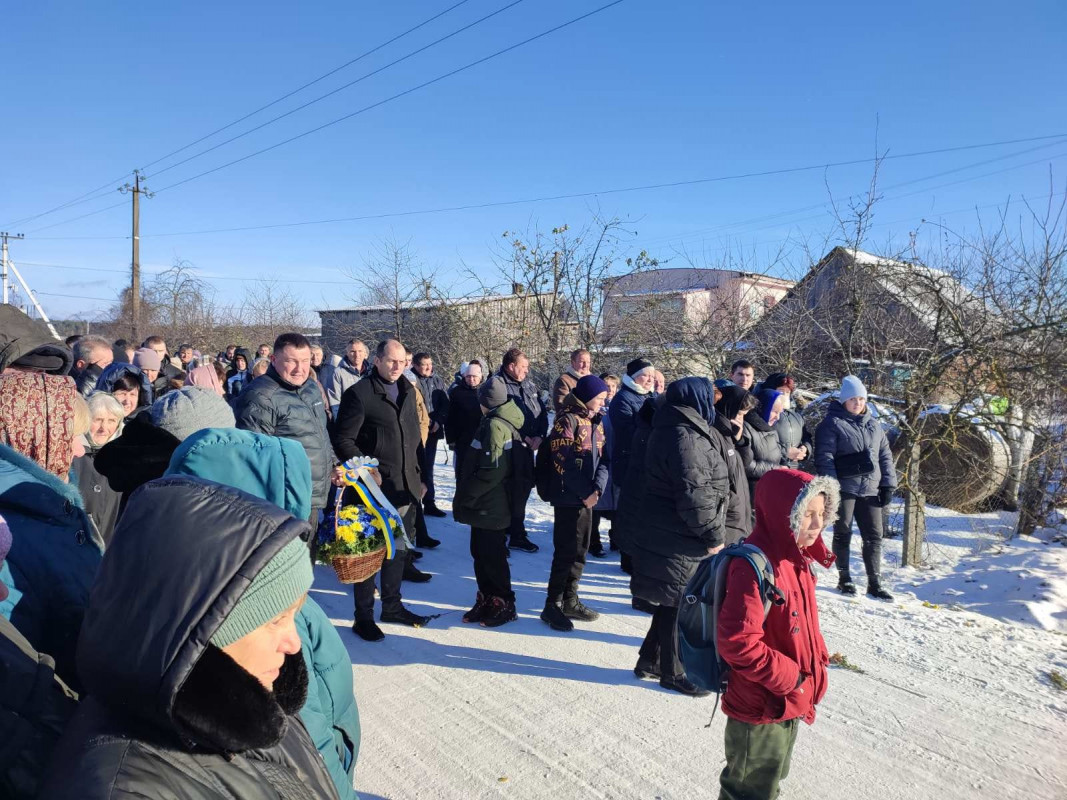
[[185, 411], [493, 393]]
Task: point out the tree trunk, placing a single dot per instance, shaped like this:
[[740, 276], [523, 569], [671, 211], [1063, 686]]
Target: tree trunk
[[1032, 492], [914, 512]]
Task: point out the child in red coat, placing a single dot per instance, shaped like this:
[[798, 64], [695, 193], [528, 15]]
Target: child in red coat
[[778, 664]]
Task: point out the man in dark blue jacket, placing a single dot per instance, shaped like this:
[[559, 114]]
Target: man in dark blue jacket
[[513, 372]]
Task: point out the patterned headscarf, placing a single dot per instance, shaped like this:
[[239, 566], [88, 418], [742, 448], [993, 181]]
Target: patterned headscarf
[[37, 417]]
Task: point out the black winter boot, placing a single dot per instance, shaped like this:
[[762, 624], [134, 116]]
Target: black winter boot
[[366, 630], [498, 612], [554, 617], [681, 684], [573, 608], [875, 590], [477, 612], [647, 670], [402, 616], [845, 584]]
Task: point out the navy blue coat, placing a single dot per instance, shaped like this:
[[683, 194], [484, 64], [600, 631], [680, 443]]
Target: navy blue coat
[[844, 434], [623, 415], [528, 399]]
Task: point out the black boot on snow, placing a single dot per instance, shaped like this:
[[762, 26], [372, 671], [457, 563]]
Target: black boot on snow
[[681, 684], [845, 584], [875, 590], [573, 608], [498, 612], [554, 617], [402, 616], [647, 670], [366, 630], [477, 612]]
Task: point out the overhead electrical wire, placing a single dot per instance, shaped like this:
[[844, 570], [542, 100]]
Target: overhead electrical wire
[[578, 195], [363, 110], [110, 185]]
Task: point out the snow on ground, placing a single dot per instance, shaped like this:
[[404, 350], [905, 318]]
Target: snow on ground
[[950, 703]]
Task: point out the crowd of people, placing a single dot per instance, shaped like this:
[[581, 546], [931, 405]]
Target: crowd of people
[[159, 520]]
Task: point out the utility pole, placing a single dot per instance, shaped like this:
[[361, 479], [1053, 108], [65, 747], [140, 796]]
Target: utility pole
[[135, 277], [4, 235]]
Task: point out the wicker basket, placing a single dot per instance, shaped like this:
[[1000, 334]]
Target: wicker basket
[[356, 569]]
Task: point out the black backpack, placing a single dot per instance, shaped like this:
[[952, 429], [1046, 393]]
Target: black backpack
[[544, 473], [698, 613]]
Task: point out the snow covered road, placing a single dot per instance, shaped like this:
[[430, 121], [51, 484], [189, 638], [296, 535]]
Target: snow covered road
[[950, 704]]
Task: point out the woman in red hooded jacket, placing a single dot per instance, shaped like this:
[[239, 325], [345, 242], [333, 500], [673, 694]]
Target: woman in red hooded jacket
[[778, 664]]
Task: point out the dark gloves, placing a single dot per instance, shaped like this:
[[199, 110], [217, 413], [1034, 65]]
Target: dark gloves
[[885, 496]]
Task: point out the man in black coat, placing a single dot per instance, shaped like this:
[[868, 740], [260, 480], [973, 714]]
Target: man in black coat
[[435, 396], [167, 371], [464, 412], [513, 372], [92, 354], [377, 418]]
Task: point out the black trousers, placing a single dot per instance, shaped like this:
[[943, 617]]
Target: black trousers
[[517, 531], [389, 578], [661, 642], [428, 460], [868, 516], [570, 540], [489, 550]]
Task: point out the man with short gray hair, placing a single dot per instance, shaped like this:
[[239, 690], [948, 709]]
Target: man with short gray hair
[[91, 355], [353, 366]]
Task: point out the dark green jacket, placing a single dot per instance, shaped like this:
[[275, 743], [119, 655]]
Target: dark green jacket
[[35, 707], [487, 485]]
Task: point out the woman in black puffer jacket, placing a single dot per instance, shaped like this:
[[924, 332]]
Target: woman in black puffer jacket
[[851, 446], [680, 520], [730, 411], [760, 430]]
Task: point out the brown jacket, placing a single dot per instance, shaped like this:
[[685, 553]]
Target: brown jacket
[[423, 414], [563, 386]]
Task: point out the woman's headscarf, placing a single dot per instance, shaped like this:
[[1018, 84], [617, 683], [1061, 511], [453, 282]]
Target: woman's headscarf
[[733, 397], [696, 393], [206, 378], [767, 399], [37, 417]]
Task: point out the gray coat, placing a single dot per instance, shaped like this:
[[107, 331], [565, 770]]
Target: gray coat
[[842, 434], [270, 405], [342, 376]]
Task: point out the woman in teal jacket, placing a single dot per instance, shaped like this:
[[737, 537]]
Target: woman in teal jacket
[[278, 471]]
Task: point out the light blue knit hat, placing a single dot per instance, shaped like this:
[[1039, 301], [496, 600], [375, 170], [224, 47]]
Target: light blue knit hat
[[851, 386]]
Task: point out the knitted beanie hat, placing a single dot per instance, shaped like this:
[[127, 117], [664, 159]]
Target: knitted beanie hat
[[851, 386], [281, 582], [185, 411], [493, 393], [639, 366], [145, 358], [589, 387]]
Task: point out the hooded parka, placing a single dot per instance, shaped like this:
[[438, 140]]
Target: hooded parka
[[778, 664], [168, 714], [29, 343], [687, 493], [112, 373], [492, 481], [464, 417], [277, 470]]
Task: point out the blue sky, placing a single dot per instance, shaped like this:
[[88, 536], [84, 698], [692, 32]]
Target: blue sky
[[642, 93]]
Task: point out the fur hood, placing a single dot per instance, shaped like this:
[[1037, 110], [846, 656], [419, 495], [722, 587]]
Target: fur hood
[[782, 500]]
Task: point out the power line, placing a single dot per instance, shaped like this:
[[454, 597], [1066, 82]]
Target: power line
[[573, 195], [363, 110], [111, 184], [397, 96], [341, 88], [346, 281], [307, 85]]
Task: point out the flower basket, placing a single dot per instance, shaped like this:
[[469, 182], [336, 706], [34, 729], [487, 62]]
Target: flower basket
[[356, 569], [357, 533]]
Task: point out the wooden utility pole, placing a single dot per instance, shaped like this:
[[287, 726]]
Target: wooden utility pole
[[135, 276]]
